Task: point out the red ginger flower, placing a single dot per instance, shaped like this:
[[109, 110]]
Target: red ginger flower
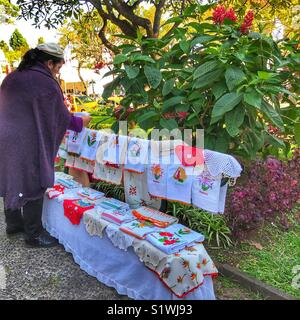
[[219, 14], [247, 23], [230, 14]]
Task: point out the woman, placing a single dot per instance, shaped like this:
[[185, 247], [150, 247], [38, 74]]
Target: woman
[[33, 121]]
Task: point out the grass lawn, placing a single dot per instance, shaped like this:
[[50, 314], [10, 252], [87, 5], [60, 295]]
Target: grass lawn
[[269, 256]]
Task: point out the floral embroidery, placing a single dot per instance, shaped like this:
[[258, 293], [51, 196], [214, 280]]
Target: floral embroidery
[[180, 175], [166, 234], [166, 272], [199, 265], [184, 231], [132, 190], [185, 264], [177, 254], [135, 149], [190, 249], [157, 171], [204, 262], [92, 139], [193, 276], [75, 137], [180, 279], [169, 242]]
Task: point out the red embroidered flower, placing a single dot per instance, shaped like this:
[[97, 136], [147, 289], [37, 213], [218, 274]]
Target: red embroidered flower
[[190, 249], [169, 242], [199, 265], [247, 23], [177, 254], [132, 190], [193, 276], [219, 14], [166, 234], [204, 262]]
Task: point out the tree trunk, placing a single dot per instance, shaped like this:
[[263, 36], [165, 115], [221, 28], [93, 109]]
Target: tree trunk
[[81, 79]]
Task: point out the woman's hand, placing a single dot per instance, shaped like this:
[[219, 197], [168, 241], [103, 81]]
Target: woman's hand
[[86, 120]]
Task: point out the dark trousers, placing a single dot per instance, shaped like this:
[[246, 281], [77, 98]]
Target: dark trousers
[[30, 220]]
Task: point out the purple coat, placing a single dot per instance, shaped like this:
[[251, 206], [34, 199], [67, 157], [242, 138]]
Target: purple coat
[[33, 121]]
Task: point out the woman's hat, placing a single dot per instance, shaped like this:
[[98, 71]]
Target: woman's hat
[[52, 48]]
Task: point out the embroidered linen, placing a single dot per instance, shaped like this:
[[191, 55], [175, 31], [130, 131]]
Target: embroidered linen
[[179, 181], [83, 165], [148, 253], [75, 141], [115, 216], [206, 193], [113, 204], [136, 191], [174, 238], [74, 209], [90, 145], [90, 194], [157, 177], [63, 175], [158, 218], [138, 229], [70, 161], [118, 238], [107, 173], [137, 155], [69, 194], [116, 150], [93, 223], [56, 191], [185, 271], [68, 183]]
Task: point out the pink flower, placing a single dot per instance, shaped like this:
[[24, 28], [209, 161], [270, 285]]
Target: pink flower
[[230, 14]]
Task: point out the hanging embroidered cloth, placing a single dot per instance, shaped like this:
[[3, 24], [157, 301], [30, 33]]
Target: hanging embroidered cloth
[[90, 145], [158, 218], [137, 155], [136, 191], [208, 194], [75, 141], [83, 165], [107, 173], [115, 153]]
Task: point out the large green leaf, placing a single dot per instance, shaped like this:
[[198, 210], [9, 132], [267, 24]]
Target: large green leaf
[[201, 39], [141, 57], [169, 124], [222, 142], [171, 102], [148, 115], [205, 68], [184, 46], [264, 75], [208, 79], [253, 98], [218, 89], [153, 76], [297, 133], [272, 114], [120, 58], [234, 119], [168, 86], [226, 103], [110, 87], [233, 76], [131, 71]]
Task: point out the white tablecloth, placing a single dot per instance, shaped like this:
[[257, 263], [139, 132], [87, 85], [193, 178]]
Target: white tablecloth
[[112, 266]]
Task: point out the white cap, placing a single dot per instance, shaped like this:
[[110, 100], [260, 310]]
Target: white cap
[[52, 48]]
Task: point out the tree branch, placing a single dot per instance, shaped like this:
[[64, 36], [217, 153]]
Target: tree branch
[[157, 17], [127, 12]]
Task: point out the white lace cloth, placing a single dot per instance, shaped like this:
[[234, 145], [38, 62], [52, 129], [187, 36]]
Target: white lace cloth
[[93, 223], [221, 164], [119, 239], [147, 253]]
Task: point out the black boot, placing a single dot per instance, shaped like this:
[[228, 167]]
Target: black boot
[[14, 221], [36, 236]]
